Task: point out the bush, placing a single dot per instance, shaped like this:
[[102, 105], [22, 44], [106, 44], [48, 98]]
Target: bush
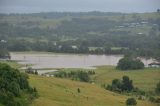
[[131, 102], [152, 99], [157, 90], [127, 63], [78, 90]]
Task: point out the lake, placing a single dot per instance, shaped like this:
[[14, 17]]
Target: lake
[[54, 60]]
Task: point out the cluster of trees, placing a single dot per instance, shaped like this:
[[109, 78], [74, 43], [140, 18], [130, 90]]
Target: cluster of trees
[[129, 63], [124, 85], [75, 75], [29, 70], [13, 86]]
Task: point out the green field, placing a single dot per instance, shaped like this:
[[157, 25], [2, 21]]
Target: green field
[[63, 92], [145, 79]]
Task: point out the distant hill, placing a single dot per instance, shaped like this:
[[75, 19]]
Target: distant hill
[[139, 32]]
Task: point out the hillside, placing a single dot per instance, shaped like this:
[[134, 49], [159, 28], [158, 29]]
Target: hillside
[[62, 92], [145, 79]]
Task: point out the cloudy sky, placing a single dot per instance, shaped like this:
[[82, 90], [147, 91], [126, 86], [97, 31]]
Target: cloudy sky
[[33, 6]]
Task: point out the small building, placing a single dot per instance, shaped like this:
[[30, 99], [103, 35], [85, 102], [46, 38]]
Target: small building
[[154, 65], [74, 47]]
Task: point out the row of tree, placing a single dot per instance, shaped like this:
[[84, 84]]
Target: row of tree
[[75, 75]]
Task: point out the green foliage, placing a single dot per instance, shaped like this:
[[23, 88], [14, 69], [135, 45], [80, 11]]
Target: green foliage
[[120, 86], [12, 85], [75, 75], [157, 90], [128, 63], [4, 54], [131, 102], [78, 90], [154, 99], [127, 84]]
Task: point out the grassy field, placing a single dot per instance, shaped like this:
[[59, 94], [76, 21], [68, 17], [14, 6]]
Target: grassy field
[[63, 92], [145, 79]]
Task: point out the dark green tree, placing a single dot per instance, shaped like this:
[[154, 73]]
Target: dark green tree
[[158, 88], [131, 102], [127, 63], [127, 84]]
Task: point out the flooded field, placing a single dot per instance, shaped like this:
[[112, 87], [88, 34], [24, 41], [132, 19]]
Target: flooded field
[[51, 60]]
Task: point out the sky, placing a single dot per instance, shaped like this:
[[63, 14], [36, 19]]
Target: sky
[[36, 6]]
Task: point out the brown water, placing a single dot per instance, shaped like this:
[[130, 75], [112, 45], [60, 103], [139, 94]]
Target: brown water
[[45, 60]]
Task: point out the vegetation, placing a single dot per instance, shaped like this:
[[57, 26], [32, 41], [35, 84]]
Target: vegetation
[[59, 91], [157, 90], [131, 102], [4, 54], [65, 32], [14, 88], [75, 75], [121, 86], [128, 63], [145, 79]]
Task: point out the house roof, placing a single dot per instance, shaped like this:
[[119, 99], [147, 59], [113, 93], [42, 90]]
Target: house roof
[[154, 64]]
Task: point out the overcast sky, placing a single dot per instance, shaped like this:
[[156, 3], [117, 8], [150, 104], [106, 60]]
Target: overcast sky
[[33, 6]]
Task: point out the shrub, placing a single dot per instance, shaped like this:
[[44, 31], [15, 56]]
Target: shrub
[[131, 102], [157, 90], [78, 90]]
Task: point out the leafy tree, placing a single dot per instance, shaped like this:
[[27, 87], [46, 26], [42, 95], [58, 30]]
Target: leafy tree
[[131, 102], [121, 85], [127, 63], [127, 84], [13, 86], [158, 88]]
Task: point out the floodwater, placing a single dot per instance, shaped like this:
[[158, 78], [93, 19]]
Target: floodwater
[[51, 60]]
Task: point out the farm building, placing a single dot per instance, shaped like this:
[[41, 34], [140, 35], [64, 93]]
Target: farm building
[[154, 65]]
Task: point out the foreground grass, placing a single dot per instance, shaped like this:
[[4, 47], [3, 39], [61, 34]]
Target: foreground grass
[[145, 79], [63, 92]]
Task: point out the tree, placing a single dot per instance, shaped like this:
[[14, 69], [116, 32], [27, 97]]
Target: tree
[[131, 102], [121, 85], [36, 72], [127, 63], [13, 87], [127, 84], [78, 90], [158, 88]]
